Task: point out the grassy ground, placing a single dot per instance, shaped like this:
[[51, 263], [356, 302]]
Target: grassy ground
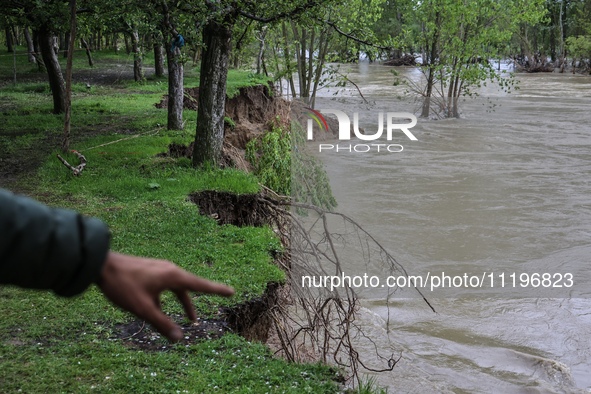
[[54, 345]]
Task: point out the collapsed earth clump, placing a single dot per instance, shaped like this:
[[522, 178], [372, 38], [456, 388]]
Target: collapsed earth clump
[[248, 114], [236, 209], [252, 318]]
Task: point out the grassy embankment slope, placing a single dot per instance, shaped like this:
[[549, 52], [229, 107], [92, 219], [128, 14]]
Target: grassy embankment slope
[[54, 345]]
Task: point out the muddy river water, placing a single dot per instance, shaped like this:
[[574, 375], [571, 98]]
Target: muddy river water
[[504, 189]]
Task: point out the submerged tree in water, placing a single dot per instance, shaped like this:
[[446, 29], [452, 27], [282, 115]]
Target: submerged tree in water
[[457, 39]]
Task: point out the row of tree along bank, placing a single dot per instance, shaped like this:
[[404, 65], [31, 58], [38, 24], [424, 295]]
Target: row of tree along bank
[[298, 39]]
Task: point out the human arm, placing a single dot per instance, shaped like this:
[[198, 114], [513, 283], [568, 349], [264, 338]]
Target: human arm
[[63, 251], [49, 248]]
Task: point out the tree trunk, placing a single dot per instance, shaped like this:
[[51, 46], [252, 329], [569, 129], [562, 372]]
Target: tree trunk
[[236, 61], [99, 41], [428, 93], [209, 136], [301, 39], [456, 94], [88, 51], [196, 56], [56, 45], [288, 60], [68, 99], [158, 58], [62, 41], [9, 42], [127, 46], [450, 88], [261, 38], [30, 46], [138, 72], [322, 52], [54, 71], [115, 42], [431, 62], [175, 88], [15, 36], [38, 57]]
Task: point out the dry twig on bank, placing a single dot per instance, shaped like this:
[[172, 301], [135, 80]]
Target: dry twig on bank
[[78, 169]]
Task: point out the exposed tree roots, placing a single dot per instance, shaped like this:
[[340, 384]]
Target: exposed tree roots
[[321, 323]]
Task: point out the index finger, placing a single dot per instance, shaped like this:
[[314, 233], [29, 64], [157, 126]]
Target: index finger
[[200, 285]]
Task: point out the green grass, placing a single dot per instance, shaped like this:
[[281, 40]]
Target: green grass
[[241, 78], [143, 198], [228, 365], [55, 345]]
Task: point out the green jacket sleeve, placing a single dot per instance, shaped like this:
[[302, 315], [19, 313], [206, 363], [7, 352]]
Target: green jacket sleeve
[[46, 248]]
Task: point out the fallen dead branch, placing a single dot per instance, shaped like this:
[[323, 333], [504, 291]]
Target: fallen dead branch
[[78, 169]]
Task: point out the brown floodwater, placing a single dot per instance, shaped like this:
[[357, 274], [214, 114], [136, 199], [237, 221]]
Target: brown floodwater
[[504, 189]]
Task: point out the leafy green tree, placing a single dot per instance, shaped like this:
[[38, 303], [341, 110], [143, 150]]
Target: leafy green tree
[[175, 63], [8, 34], [338, 32], [48, 18], [458, 37], [397, 25], [280, 162], [354, 23], [580, 48], [270, 156], [220, 17], [579, 43]]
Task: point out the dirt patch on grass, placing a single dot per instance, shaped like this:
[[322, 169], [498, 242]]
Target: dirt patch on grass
[[15, 166], [108, 74], [179, 150], [249, 319], [140, 335], [12, 168]]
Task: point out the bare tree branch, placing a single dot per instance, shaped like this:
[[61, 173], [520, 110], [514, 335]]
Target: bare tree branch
[[354, 38], [287, 14], [320, 324], [78, 169]]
